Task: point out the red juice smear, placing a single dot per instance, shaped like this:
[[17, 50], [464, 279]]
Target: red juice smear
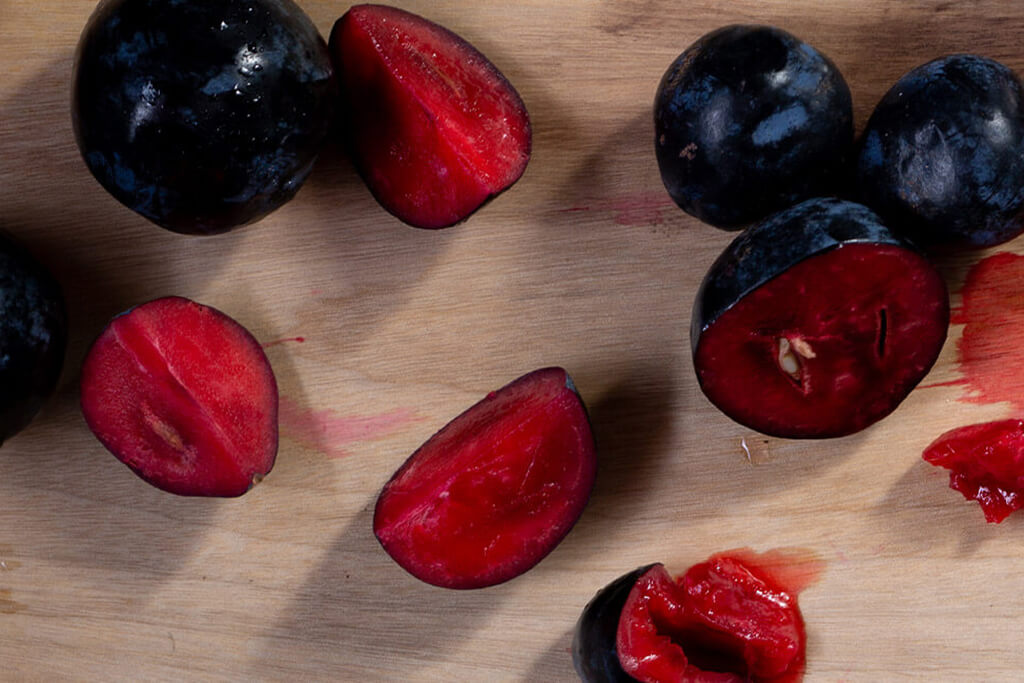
[[990, 354], [276, 342], [333, 434]]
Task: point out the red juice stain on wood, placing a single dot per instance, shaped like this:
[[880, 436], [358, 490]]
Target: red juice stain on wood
[[637, 210], [791, 569], [277, 342], [990, 353], [333, 434]]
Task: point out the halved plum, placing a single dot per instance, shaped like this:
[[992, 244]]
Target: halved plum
[[434, 127], [985, 463], [494, 491], [730, 619], [184, 396], [817, 322]]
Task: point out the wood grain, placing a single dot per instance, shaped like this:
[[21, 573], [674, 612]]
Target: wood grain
[[584, 263]]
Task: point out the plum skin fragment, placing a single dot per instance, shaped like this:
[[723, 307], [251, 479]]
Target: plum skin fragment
[[985, 463]]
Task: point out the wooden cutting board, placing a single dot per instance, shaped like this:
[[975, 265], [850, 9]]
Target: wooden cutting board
[[585, 263]]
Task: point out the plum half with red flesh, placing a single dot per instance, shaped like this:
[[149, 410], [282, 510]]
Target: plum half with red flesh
[[726, 620], [817, 322], [434, 128], [495, 490], [184, 396], [985, 463]]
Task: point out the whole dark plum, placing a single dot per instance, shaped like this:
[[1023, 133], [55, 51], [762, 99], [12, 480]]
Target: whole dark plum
[[750, 120], [33, 336], [940, 158], [201, 116]]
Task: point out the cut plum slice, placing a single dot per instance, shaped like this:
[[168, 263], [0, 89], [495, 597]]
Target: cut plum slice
[[435, 128], [817, 322], [494, 491], [985, 463], [184, 396]]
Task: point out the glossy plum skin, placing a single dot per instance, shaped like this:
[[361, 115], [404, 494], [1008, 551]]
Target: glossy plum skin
[[33, 336], [201, 116], [832, 317], [748, 121], [434, 128], [495, 490], [184, 396], [594, 654], [939, 159]]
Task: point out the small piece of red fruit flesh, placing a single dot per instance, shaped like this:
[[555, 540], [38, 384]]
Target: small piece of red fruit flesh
[[495, 490], [832, 344], [986, 464], [184, 396], [724, 621], [436, 129]]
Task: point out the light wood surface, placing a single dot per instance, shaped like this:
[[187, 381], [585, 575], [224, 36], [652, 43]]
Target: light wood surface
[[584, 263]]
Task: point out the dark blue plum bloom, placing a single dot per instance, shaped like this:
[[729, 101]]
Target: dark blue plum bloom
[[201, 116], [33, 336], [940, 158], [748, 121]]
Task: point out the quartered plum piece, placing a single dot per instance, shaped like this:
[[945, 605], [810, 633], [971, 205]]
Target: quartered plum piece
[[817, 322], [985, 463], [494, 491], [435, 128], [184, 396], [730, 619]]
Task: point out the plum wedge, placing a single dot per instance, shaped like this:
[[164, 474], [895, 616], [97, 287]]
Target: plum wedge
[[184, 396], [434, 127], [817, 322], [494, 491]]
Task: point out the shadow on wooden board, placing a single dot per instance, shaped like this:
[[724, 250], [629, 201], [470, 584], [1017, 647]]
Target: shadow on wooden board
[[359, 615]]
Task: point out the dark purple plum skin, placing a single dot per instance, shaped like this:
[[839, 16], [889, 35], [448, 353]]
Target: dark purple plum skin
[[749, 120], [594, 653], [940, 157], [201, 116], [33, 336], [778, 243]]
